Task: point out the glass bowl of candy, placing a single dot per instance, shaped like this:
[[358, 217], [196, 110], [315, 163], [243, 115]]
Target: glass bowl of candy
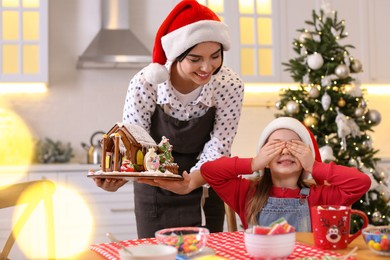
[[189, 241], [377, 239], [276, 241]]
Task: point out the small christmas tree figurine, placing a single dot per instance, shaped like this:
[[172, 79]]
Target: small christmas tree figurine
[[330, 102], [166, 158]]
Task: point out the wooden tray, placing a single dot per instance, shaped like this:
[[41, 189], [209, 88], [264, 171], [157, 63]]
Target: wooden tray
[[132, 175]]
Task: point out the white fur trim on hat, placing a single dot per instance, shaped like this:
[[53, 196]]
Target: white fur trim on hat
[[286, 123], [156, 73], [178, 41]]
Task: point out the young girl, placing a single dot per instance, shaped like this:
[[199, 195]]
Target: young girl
[[287, 155]]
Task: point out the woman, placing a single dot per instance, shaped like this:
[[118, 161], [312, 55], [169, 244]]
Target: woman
[[190, 97]]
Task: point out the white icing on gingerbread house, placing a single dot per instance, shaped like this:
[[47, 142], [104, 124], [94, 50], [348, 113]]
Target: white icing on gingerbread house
[[125, 141]]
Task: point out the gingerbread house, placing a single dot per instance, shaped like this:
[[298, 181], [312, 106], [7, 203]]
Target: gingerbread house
[[125, 141]]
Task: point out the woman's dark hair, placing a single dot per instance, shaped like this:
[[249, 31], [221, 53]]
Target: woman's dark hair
[[181, 57]]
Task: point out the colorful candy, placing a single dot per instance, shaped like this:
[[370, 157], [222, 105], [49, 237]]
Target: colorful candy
[[187, 240], [378, 239]]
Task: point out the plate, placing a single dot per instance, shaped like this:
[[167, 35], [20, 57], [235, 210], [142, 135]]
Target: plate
[[132, 175]]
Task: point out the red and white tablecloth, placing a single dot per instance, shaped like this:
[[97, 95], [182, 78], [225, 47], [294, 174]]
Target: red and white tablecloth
[[225, 244]]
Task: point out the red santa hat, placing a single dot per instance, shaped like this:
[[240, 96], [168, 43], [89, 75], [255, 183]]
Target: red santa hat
[[295, 125], [188, 24]]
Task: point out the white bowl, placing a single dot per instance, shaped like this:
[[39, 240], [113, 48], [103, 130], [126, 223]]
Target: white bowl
[[269, 246], [149, 252]]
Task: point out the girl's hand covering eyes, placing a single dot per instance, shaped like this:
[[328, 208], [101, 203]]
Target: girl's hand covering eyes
[[303, 153], [267, 153]]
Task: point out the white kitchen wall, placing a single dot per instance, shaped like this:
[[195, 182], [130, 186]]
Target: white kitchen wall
[[80, 102]]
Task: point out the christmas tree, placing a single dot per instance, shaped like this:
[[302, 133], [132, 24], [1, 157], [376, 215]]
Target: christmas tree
[[165, 153], [330, 101]]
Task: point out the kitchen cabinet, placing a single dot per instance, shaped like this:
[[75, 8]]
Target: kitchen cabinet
[[24, 41], [110, 211]]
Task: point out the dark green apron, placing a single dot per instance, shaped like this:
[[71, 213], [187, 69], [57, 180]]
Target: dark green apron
[[156, 208]]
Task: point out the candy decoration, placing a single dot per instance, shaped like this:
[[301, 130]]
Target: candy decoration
[[152, 160], [279, 226]]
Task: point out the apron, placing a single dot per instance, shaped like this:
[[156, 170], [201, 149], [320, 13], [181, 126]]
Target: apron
[[156, 208], [295, 211]]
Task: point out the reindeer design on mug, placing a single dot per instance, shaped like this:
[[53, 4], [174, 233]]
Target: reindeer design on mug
[[335, 232]]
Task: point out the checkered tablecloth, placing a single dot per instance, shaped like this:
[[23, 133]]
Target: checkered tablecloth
[[225, 244]]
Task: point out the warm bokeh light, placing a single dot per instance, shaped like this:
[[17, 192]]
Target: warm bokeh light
[[16, 147], [73, 226], [16, 88]]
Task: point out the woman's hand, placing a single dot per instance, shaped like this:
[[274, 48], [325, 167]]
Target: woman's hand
[[190, 182], [303, 153], [266, 154], [109, 184], [179, 187]]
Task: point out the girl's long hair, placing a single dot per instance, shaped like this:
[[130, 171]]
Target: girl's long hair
[[259, 194]]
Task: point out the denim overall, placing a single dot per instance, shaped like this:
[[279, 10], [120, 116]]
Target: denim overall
[[156, 208], [295, 211]]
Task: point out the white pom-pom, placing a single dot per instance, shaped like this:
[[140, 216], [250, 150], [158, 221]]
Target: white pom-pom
[[156, 73]]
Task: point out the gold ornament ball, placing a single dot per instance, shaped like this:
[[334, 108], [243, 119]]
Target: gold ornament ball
[[356, 66], [314, 92], [310, 121], [341, 102], [342, 71], [304, 36], [292, 107]]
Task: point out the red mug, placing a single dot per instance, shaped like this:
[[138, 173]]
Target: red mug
[[331, 226]]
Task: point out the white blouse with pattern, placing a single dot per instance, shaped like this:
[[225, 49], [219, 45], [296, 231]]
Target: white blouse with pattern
[[224, 91]]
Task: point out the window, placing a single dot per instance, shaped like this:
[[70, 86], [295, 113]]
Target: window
[[23, 41], [253, 53]]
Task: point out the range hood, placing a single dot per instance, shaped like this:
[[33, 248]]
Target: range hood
[[115, 46]]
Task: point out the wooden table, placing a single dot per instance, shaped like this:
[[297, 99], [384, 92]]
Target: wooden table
[[363, 253]]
